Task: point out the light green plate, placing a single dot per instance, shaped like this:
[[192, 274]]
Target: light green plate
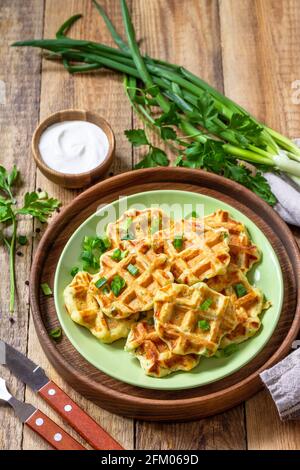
[[112, 359]]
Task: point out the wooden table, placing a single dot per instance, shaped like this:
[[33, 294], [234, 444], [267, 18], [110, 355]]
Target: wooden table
[[249, 49]]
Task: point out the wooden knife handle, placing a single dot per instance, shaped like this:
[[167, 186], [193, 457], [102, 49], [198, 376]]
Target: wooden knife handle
[[51, 432], [92, 432]]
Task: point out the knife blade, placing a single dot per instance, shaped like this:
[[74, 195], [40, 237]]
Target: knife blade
[[35, 377], [22, 367]]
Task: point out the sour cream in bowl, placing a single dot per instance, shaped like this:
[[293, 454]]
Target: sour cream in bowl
[[73, 148]]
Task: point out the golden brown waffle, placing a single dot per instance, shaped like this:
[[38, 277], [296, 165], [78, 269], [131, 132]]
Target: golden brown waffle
[[136, 225], [242, 251], [192, 320], [153, 272], [84, 310], [248, 302], [155, 357], [204, 252]]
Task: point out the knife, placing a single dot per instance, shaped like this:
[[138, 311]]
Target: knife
[[35, 377], [39, 422]]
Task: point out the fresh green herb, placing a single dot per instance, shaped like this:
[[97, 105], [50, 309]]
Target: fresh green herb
[[168, 133], [7, 180], [133, 270], [240, 290], [100, 282], [56, 334], [137, 137], [93, 248], [230, 349], [126, 232], [22, 240], [225, 235], [178, 242], [204, 325], [74, 271], [117, 284], [106, 290], [46, 289], [117, 253], [37, 205], [206, 304], [217, 133]]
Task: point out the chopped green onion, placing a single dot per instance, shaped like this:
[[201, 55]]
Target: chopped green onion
[[132, 269], [117, 284], [105, 290], [74, 271], [230, 349], [206, 304], [178, 242], [56, 334], [46, 289], [193, 214], [240, 290], [101, 282], [22, 240], [124, 254], [204, 325], [116, 254]]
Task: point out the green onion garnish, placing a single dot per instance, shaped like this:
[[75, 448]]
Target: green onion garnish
[[178, 242], [240, 290], [101, 282], [74, 271], [117, 284], [116, 254], [204, 325], [46, 289], [206, 304], [132, 269], [56, 334], [193, 215], [105, 290]]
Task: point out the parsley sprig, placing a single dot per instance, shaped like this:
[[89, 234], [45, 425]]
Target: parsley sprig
[[37, 205]]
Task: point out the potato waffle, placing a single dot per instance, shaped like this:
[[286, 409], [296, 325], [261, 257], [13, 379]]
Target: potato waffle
[[202, 254], [192, 320], [155, 357], [84, 310], [151, 272], [136, 225], [242, 251], [248, 302]]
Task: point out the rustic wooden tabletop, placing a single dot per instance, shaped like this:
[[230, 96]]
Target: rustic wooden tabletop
[[249, 49]]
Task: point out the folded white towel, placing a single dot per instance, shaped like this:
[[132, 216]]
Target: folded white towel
[[288, 197]]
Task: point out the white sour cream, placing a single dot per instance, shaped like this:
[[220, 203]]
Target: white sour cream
[[73, 146]]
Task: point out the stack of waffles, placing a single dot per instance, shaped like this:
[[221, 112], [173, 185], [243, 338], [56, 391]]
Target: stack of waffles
[[176, 289]]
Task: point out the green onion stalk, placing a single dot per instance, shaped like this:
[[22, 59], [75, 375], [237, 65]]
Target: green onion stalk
[[209, 130]]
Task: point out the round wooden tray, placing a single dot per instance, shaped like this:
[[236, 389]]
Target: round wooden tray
[[136, 402]]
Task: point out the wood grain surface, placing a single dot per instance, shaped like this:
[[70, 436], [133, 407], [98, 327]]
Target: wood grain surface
[[249, 47]]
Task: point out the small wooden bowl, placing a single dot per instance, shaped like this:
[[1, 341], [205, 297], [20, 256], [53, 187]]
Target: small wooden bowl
[[68, 180]]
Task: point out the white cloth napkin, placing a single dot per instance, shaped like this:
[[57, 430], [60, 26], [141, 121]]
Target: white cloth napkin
[[288, 195], [283, 382]]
